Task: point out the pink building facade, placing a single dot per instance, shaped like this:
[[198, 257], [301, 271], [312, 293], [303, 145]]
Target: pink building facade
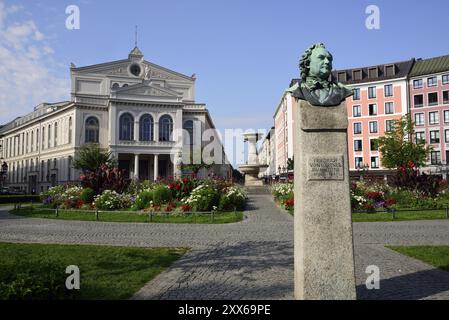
[[283, 131], [380, 98], [429, 108]]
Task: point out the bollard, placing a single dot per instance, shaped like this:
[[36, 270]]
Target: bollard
[[57, 212], [447, 213], [213, 213], [394, 214], [96, 214], [151, 216]]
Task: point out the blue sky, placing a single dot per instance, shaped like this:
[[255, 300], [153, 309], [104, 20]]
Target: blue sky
[[244, 52]]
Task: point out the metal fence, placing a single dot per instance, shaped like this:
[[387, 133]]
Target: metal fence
[[394, 212]]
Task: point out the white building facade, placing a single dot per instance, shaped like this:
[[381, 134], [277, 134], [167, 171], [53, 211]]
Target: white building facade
[[146, 115]]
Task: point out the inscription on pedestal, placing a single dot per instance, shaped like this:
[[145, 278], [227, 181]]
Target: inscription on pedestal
[[329, 167]]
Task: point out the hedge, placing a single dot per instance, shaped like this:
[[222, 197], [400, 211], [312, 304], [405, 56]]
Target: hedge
[[19, 198]]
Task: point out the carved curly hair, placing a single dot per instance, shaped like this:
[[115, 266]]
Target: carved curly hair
[[304, 62]]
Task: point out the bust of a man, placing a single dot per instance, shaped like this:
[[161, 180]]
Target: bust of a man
[[315, 85]]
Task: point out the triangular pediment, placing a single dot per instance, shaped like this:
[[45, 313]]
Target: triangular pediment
[[147, 89]]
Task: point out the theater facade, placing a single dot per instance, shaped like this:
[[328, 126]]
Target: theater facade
[[145, 114]]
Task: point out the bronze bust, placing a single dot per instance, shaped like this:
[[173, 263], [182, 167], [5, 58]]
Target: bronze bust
[[315, 86]]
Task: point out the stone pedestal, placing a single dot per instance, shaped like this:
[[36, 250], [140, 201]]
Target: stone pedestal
[[324, 255]]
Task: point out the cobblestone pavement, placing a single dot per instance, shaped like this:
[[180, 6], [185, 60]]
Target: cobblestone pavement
[[252, 259]]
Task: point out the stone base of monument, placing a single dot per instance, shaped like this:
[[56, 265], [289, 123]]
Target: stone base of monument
[[251, 175], [324, 257]]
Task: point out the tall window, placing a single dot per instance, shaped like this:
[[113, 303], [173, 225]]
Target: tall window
[[435, 157], [445, 97], [375, 162], [432, 82], [356, 111], [446, 116], [92, 130], [420, 137], [127, 127], [388, 90], [49, 136], [374, 144], [37, 139], [188, 127], [32, 141], [165, 128], [446, 136], [372, 109], [418, 100], [417, 84], [435, 136], [358, 162], [419, 119], [356, 94], [389, 125], [373, 127], [358, 145], [70, 130], [434, 117], [433, 99], [357, 128], [146, 128], [389, 108], [372, 92], [43, 138], [55, 143], [446, 79]]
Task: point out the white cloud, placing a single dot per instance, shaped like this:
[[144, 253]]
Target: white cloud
[[26, 63]]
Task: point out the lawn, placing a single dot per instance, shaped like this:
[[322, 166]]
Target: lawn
[[399, 216], [105, 272], [218, 218], [437, 256]]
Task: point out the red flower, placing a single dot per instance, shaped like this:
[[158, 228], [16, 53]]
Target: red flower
[[178, 187], [186, 189], [185, 180], [171, 186], [402, 168], [411, 164]]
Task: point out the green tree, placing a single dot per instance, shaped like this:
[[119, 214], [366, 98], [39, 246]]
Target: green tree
[[90, 157], [399, 148]]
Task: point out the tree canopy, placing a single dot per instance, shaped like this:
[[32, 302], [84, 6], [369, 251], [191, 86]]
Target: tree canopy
[[399, 148], [90, 157]]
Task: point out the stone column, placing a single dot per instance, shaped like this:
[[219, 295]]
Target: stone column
[[156, 166], [136, 130], [324, 258], [136, 166], [156, 131]]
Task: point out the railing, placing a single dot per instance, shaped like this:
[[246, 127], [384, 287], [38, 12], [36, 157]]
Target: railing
[[151, 214]]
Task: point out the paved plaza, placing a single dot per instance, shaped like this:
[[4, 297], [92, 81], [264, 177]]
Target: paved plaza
[[252, 259]]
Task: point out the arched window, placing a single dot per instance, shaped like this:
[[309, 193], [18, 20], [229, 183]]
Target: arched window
[[165, 128], [115, 86], [127, 127], [146, 128], [92, 130], [49, 136], [70, 130], [188, 127]]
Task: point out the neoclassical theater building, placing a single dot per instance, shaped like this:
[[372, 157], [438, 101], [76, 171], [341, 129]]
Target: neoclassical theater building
[[131, 107]]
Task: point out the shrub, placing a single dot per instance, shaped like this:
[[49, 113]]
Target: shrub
[[87, 195], [282, 191], [203, 198], [52, 197], [104, 178], [71, 198], [143, 200], [161, 195], [19, 199], [233, 198], [108, 200]]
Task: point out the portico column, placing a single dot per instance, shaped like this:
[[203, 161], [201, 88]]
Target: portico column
[[156, 166], [136, 166]]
